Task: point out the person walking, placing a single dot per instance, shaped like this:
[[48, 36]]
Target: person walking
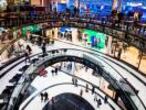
[[93, 89], [105, 99], [28, 48], [52, 72], [86, 68], [95, 97], [81, 92], [39, 40], [56, 71], [42, 96], [64, 50], [44, 48], [99, 103], [73, 81], [76, 82], [45, 96], [87, 87]]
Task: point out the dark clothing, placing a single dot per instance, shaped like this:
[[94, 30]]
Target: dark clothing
[[46, 96], [87, 88], [81, 92], [105, 99], [99, 102], [42, 95], [76, 82], [93, 89], [29, 49], [44, 48], [56, 71], [53, 52], [86, 68], [73, 81], [65, 50], [52, 72], [43, 44], [119, 53], [39, 41]]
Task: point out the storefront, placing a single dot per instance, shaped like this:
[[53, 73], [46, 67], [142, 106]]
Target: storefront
[[101, 42], [33, 29], [82, 37], [52, 33], [128, 54]]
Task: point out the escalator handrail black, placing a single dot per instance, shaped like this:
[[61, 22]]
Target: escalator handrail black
[[94, 53]]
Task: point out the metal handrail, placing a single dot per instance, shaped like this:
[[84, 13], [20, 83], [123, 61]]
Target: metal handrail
[[65, 55], [65, 19]]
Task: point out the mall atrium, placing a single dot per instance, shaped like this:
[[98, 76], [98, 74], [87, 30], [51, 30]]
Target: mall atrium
[[72, 54]]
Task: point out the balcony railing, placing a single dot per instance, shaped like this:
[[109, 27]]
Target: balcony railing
[[126, 30]]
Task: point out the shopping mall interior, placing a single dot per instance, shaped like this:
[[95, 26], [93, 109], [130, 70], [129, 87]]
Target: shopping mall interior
[[72, 54]]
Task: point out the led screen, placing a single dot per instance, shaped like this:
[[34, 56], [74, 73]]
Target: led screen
[[100, 7], [32, 28], [96, 39]]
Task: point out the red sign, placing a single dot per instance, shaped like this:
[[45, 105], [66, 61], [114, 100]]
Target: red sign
[[41, 71]]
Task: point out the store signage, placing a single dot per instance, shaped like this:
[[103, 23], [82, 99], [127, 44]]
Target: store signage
[[31, 29], [134, 4]]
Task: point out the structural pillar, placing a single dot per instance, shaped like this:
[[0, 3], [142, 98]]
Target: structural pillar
[[109, 45]]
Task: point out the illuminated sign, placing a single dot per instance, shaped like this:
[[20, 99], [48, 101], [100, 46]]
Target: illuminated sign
[[31, 28], [63, 1], [134, 4], [96, 39]]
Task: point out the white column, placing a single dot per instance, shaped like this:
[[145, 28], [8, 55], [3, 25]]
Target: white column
[[109, 45], [74, 35], [55, 33]]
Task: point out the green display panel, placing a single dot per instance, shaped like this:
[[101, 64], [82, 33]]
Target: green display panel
[[32, 28], [100, 37]]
